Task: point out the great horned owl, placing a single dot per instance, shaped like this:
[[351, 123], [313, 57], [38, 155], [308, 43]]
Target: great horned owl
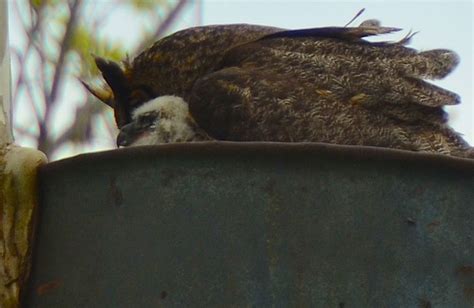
[[256, 83]]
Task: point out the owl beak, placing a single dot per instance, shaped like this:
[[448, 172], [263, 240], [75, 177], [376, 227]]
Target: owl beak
[[122, 140], [127, 135]]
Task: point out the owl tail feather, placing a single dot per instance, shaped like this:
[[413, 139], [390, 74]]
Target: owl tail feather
[[348, 33], [465, 153], [431, 64], [459, 146]]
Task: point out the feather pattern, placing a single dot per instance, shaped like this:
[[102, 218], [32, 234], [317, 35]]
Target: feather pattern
[[258, 83]]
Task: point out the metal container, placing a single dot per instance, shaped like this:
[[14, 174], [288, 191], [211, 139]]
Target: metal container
[[255, 224]]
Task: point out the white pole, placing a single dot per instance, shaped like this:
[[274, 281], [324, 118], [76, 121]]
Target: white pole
[[6, 135]]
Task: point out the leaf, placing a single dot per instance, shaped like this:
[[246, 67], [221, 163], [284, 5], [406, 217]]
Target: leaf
[[147, 5]]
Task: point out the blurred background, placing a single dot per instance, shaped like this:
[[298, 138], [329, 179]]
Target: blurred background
[[52, 42]]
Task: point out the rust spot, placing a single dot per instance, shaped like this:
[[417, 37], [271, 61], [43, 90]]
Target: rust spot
[[411, 221], [163, 294], [424, 303], [469, 292], [433, 225], [466, 275], [465, 270], [115, 193], [48, 287]]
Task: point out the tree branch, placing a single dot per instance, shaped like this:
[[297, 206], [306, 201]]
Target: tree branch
[[57, 78], [23, 57], [66, 44], [163, 27]]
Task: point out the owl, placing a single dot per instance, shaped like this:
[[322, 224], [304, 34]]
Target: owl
[[245, 82]]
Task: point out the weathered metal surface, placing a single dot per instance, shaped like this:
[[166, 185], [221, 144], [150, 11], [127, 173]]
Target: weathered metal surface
[[283, 225]]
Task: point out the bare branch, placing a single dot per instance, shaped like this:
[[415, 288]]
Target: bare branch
[[74, 9], [170, 18], [21, 59], [168, 22], [66, 44], [30, 93], [81, 127]]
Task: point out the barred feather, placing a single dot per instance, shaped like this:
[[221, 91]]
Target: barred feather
[[256, 83]]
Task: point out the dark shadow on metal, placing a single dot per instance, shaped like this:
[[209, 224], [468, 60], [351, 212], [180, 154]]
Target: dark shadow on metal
[[255, 224]]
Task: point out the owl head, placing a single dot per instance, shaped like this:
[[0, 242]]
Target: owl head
[[164, 119]]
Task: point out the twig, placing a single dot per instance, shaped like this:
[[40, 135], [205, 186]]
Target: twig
[[170, 18], [21, 60], [355, 17], [165, 24], [29, 92], [25, 132]]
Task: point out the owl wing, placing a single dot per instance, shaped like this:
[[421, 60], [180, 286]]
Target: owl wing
[[276, 85], [387, 77], [234, 103]]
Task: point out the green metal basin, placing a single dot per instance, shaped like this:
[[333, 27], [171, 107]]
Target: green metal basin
[[255, 224]]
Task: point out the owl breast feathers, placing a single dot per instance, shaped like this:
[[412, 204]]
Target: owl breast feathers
[[257, 83]]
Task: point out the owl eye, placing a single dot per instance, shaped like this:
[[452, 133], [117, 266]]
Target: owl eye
[[147, 120]]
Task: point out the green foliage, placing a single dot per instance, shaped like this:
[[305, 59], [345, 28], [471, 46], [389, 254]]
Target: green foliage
[[146, 5], [38, 4], [86, 44]]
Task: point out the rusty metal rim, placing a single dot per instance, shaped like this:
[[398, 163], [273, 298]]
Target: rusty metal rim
[[225, 148]]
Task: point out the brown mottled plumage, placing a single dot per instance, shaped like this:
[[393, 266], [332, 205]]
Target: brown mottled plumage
[[257, 83]]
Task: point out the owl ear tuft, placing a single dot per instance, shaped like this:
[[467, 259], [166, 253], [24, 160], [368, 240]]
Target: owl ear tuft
[[104, 93], [114, 76], [118, 83]]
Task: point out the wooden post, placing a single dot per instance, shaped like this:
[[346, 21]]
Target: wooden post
[[18, 189]]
